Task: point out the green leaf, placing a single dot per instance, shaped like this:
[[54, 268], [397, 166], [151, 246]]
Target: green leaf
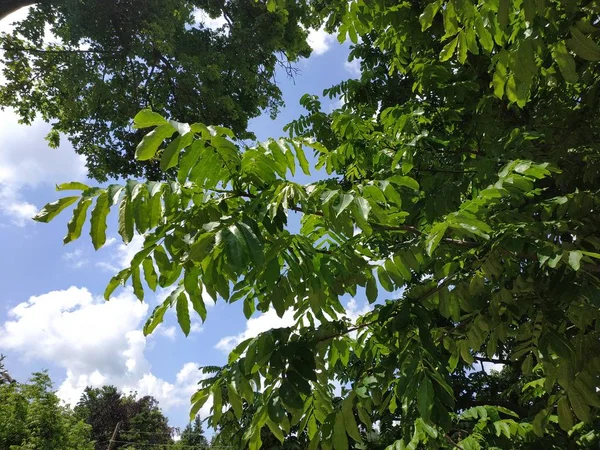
[[202, 247], [136, 280], [98, 221], [147, 148], [485, 37], [405, 181], [76, 223], [340, 439], [426, 18], [435, 236], [183, 314], [126, 219], [583, 46], [371, 289], [51, 210], [72, 186], [471, 224], [349, 420], [385, 279], [565, 62], [275, 409], [579, 405], [289, 396], [503, 13], [255, 249], [529, 9], [298, 381], [565, 418], [462, 47], [197, 403], [194, 292], [302, 158], [344, 201], [170, 156], [148, 118], [425, 399], [574, 259], [150, 273], [364, 207], [448, 50], [157, 316], [235, 247], [115, 281]]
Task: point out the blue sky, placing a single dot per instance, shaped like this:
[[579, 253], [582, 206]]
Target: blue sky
[[51, 313]]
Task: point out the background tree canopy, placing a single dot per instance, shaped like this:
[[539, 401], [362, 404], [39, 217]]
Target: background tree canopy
[[106, 60], [457, 187], [32, 417]]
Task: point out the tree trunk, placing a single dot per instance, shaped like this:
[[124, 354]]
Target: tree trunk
[[10, 6]]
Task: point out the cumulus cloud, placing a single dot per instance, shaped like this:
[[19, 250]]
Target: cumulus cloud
[[121, 256], [320, 40], [255, 326], [26, 161], [75, 259], [353, 67], [94, 341]]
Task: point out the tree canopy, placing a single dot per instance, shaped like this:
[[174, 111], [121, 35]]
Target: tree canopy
[[106, 60], [31, 417], [456, 188], [141, 422]]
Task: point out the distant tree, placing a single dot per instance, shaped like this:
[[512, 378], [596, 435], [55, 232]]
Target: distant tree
[[142, 421], [193, 435], [31, 417], [109, 59], [4, 375]]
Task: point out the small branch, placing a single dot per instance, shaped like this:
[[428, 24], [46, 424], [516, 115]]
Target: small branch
[[493, 360], [449, 439]]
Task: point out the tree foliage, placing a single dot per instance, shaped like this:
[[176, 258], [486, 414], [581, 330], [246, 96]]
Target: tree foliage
[[31, 417], [457, 188], [106, 60], [140, 419]]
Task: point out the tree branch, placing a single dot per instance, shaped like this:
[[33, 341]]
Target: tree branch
[[8, 7], [452, 442]]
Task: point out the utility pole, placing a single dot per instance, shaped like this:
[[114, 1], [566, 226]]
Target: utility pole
[[111, 443]]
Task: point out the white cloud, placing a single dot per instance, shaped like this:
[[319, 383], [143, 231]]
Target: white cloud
[[75, 259], [121, 256], [94, 341], [168, 332], [353, 67], [26, 161], [255, 326], [320, 40]]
